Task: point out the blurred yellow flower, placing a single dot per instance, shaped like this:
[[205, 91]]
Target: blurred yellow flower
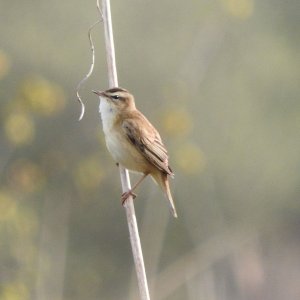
[[189, 158], [7, 206], [42, 96], [4, 64], [242, 9], [14, 291], [89, 172], [19, 128], [26, 176], [177, 122]]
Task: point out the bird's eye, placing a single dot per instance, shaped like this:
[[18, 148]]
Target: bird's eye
[[116, 97]]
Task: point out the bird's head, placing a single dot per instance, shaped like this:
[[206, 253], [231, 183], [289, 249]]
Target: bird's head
[[119, 98]]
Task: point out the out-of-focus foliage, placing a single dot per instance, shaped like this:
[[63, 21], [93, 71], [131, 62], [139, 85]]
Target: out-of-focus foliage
[[4, 64], [242, 9], [220, 80]]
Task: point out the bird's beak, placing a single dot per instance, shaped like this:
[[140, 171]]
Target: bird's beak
[[99, 93]]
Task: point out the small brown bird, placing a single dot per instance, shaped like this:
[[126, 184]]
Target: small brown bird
[[133, 141]]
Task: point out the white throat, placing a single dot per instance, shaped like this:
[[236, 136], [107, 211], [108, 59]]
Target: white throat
[[108, 114]]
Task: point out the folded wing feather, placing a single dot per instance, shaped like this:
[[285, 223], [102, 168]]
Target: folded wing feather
[[148, 142]]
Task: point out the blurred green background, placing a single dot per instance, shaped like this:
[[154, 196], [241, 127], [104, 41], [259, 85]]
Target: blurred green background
[[220, 80]]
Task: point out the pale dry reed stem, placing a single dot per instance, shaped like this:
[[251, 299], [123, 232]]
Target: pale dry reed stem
[[129, 207]]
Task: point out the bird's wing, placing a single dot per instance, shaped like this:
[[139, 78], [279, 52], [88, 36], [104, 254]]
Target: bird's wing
[[147, 140]]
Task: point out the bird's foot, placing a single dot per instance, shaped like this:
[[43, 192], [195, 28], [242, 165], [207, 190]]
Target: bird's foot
[[125, 196]]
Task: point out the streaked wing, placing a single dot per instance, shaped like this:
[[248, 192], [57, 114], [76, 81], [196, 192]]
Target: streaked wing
[[148, 141]]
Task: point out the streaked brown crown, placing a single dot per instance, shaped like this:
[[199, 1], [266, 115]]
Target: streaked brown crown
[[122, 98], [116, 89]]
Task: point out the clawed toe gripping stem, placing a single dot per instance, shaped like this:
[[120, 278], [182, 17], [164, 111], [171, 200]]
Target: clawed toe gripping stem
[[125, 196]]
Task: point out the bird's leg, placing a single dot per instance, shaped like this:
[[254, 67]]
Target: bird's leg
[[125, 195]]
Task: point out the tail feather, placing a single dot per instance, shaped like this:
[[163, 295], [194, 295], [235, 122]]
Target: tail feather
[[162, 180], [170, 198]]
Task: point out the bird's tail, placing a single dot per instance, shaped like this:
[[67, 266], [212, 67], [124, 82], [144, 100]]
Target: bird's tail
[[164, 184]]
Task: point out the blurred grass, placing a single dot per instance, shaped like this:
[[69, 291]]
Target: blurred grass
[[220, 80]]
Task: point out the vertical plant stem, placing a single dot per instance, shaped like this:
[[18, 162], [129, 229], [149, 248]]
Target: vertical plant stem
[[129, 207]]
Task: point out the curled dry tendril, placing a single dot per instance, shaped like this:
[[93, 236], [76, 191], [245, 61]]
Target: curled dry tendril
[[85, 78]]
